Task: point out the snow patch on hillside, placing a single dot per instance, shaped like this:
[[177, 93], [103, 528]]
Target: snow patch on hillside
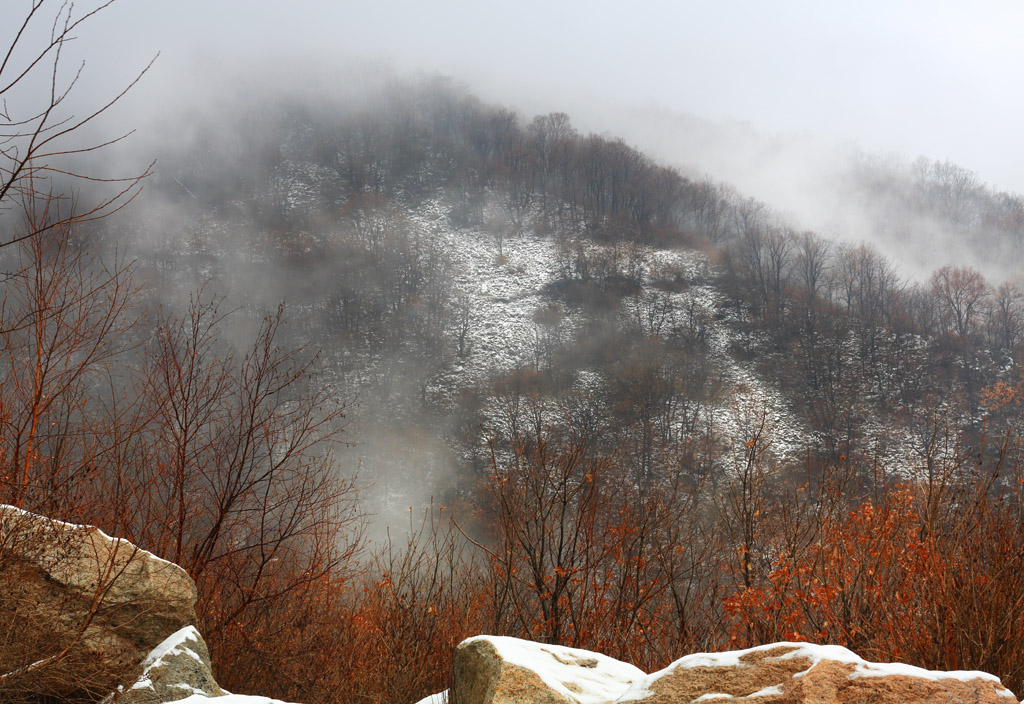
[[505, 293]]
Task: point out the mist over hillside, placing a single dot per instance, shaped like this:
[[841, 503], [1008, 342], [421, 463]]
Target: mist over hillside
[[845, 190], [506, 307], [435, 249], [381, 359]]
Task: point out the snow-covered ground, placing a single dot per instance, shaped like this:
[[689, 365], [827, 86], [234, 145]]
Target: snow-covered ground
[[505, 294], [748, 398], [504, 291]]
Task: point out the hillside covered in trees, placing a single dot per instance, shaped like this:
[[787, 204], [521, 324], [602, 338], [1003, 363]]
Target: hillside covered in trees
[[386, 373]]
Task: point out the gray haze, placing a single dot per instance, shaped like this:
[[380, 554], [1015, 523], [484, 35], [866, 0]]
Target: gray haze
[[939, 78], [770, 97]]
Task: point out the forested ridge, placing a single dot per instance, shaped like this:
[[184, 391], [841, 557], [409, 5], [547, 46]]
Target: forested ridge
[[339, 200], [627, 409]]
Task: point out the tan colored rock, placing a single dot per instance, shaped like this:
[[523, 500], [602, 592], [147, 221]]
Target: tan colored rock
[[500, 670], [91, 607], [177, 668], [801, 673]]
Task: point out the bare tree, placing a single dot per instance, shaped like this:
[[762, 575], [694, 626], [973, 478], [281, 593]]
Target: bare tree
[[963, 291], [812, 262], [63, 324], [228, 466], [1006, 315], [39, 138]]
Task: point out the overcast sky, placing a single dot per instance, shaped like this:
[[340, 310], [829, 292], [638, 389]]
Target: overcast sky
[[933, 77]]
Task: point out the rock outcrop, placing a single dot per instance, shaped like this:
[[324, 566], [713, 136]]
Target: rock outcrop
[[85, 597], [105, 596], [87, 616], [177, 668], [802, 673], [491, 670], [498, 670]]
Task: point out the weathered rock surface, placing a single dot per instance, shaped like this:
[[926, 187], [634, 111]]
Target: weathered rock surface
[[801, 673], [177, 668], [492, 670], [499, 670], [75, 587]]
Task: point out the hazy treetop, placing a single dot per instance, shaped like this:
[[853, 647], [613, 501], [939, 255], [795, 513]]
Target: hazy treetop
[[937, 78]]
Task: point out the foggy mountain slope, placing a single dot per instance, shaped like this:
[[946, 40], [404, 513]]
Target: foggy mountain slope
[[921, 211], [384, 361], [507, 301], [473, 278]]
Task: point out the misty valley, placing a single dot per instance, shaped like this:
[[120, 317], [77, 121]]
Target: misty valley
[[473, 281], [387, 372]]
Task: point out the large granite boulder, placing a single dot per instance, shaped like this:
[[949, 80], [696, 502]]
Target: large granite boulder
[[81, 610], [801, 673], [500, 670]]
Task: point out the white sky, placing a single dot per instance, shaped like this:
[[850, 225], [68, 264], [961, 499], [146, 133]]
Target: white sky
[[934, 77]]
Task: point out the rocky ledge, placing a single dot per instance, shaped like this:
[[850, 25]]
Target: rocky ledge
[[73, 596], [495, 670], [89, 617]]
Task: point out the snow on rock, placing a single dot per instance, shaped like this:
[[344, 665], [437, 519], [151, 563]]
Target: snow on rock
[[439, 698], [16, 519], [225, 699], [178, 670], [802, 672], [498, 670], [502, 670]]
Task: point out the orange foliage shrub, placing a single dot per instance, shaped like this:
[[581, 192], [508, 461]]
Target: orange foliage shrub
[[926, 575], [385, 633]]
